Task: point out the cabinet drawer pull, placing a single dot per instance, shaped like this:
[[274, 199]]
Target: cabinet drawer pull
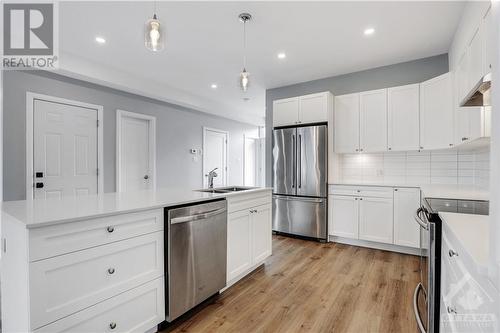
[[452, 253], [112, 325], [110, 229], [451, 309], [111, 271]]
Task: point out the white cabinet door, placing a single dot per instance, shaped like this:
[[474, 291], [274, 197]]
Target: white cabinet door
[[376, 219], [403, 105], [343, 217], [373, 120], [346, 123], [475, 59], [462, 77], [239, 243], [488, 42], [261, 233], [406, 230], [286, 112], [313, 108], [436, 113]]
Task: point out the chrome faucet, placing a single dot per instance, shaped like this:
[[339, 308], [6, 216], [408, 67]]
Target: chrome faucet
[[211, 175]]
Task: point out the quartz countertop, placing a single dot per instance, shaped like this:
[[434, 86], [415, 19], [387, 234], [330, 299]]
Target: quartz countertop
[[37, 213], [459, 192], [381, 184], [472, 232]]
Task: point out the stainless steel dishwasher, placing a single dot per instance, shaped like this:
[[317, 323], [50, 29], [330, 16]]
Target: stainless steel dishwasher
[[196, 248]]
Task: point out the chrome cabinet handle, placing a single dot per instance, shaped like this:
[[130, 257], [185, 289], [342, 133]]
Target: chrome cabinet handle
[[112, 325], [146, 177], [111, 271], [451, 309], [110, 229], [452, 253]]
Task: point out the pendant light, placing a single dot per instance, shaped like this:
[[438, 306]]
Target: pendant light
[[153, 36], [244, 75]]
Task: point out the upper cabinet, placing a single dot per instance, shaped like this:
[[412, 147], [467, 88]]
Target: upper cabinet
[[307, 109], [373, 120], [487, 42], [403, 105], [436, 113], [346, 123]]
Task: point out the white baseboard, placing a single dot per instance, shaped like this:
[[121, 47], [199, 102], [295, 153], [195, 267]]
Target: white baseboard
[[375, 245]]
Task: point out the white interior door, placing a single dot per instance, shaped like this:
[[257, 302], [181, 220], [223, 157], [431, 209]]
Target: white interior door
[[215, 155], [65, 149], [135, 151]]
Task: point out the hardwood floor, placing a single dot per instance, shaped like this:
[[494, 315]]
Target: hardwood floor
[[312, 287]]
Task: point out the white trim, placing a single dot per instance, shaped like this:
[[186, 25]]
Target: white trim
[[205, 129], [257, 159], [375, 245], [30, 100], [120, 114]]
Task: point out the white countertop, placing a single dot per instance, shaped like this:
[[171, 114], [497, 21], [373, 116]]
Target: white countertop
[[472, 232], [37, 213], [460, 192], [375, 184]]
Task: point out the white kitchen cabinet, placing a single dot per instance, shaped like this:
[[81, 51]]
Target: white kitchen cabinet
[[373, 120], [261, 222], [436, 113], [306, 109], [406, 230], [376, 219], [472, 123], [285, 111], [346, 122], [314, 108], [343, 216], [403, 104], [461, 77], [475, 58], [487, 42], [239, 246]]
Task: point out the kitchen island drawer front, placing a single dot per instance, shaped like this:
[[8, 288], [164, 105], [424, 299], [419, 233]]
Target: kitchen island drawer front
[[136, 310], [59, 239], [63, 285], [247, 201]]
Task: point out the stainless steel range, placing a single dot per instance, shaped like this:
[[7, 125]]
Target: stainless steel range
[[427, 293]]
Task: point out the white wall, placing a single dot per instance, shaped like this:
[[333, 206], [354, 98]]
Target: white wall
[[417, 168]]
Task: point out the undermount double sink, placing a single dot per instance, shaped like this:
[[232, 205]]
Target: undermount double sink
[[225, 189]]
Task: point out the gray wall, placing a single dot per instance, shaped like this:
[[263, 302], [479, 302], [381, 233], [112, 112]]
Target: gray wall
[[376, 78], [178, 130]]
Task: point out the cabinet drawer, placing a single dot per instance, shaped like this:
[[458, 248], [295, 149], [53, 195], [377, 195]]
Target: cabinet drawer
[[247, 201], [68, 283], [362, 191], [59, 239], [136, 310]]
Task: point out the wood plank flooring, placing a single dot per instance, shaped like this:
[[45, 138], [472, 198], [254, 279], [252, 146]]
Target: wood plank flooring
[[312, 287]]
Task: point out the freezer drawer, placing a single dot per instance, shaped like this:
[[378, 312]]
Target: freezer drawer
[[300, 216]]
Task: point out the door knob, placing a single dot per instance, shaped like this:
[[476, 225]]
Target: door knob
[[146, 177]]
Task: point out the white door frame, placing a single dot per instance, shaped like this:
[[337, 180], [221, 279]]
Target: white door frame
[[30, 102], [120, 114], [205, 129], [257, 158]]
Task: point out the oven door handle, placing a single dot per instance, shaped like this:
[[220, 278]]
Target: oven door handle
[[415, 308], [419, 220]]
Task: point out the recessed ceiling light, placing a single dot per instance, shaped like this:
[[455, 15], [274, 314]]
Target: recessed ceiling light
[[100, 40], [369, 31], [213, 86], [281, 55]]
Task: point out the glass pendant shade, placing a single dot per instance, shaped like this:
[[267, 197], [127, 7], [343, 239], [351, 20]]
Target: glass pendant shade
[[154, 36], [244, 80]]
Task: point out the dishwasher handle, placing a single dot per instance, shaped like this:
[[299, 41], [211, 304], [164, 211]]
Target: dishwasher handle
[[191, 218]]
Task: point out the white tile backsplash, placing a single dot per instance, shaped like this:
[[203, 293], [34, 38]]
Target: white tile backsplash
[[437, 167]]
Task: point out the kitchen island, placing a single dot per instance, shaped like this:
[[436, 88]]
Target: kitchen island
[[97, 263]]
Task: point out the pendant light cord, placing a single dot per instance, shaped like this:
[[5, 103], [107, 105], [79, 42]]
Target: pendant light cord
[[244, 45]]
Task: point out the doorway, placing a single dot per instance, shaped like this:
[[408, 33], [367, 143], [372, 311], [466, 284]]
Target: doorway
[[135, 151], [215, 155], [63, 147]]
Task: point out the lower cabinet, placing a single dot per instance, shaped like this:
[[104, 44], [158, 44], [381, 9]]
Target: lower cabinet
[[249, 240], [375, 219], [374, 214]]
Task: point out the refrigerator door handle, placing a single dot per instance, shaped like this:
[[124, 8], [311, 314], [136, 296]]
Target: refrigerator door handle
[[294, 160], [300, 161]]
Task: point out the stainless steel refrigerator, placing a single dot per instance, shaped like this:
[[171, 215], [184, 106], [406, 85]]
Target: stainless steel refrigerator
[[300, 162]]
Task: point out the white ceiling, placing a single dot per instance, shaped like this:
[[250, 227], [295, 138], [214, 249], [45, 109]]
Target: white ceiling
[[204, 45]]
